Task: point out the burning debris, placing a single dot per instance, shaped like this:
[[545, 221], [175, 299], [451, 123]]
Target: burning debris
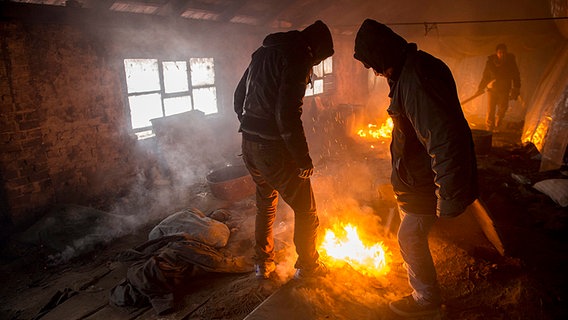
[[344, 245], [374, 132]]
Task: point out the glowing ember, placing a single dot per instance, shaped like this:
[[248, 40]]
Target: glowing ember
[[345, 246], [372, 131]]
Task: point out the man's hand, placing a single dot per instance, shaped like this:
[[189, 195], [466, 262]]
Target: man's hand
[[305, 173]]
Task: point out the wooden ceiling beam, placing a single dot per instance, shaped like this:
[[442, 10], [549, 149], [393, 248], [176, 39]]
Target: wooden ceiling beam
[[312, 11], [277, 10], [173, 8], [232, 9], [100, 4]]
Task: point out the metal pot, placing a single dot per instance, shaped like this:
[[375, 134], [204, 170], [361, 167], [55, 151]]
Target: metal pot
[[231, 182]]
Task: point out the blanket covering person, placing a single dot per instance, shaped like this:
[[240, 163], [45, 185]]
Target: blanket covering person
[[184, 245]]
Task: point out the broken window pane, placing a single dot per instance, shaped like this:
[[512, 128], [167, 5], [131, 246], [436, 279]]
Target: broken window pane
[[202, 71], [328, 65], [318, 70], [158, 88], [309, 90], [142, 75], [318, 86], [175, 76]]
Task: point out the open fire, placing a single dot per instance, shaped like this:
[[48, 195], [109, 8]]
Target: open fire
[[374, 132], [342, 244]]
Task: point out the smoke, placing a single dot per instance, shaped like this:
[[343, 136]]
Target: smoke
[[68, 231], [174, 178], [349, 181], [170, 169]]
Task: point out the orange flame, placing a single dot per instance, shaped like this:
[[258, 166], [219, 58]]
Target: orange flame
[[372, 130], [345, 246]]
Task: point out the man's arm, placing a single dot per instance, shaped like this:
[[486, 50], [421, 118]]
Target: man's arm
[[486, 78], [436, 115], [288, 111], [239, 96]]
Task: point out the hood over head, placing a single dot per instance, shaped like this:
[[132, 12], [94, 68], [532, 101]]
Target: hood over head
[[319, 39], [377, 46], [501, 46], [281, 38]]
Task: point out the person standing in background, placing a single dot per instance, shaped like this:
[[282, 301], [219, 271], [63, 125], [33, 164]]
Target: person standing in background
[[268, 103], [434, 169], [502, 80]]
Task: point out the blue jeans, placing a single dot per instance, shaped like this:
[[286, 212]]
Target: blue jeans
[[413, 242], [275, 172]]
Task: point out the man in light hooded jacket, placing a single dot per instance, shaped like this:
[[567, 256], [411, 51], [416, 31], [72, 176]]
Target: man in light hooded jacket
[[434, 171], [268, 103]]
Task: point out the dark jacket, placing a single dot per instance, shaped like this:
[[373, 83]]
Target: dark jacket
[[433, 157], [268, 99], [501, 76]]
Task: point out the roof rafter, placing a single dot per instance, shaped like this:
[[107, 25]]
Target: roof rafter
[[276, 11], [231, 10]]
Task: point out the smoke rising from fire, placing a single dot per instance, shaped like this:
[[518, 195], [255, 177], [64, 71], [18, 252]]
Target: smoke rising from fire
[[348, 171]]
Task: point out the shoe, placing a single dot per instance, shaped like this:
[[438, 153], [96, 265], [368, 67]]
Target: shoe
[[319, 270], [263, 270], [408, 307]]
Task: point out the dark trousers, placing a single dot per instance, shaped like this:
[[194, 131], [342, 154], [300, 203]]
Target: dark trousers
[[275, 172], [498, 103]]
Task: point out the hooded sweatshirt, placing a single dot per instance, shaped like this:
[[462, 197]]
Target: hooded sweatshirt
[[433, 158], [268, 99]]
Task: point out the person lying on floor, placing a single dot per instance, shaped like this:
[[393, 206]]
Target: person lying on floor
[[171, 259]]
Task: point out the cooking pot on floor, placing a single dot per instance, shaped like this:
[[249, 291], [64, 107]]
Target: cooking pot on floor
[[232, 182]]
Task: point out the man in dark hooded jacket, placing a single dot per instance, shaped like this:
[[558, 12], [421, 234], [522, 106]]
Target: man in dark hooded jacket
[[434, 167], [268, 102], [502, 79]]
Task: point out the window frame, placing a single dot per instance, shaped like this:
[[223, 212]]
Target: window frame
[[164, 95], [326, 79]]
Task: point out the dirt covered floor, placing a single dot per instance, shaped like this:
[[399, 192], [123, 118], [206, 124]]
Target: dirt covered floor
[[528, 282]]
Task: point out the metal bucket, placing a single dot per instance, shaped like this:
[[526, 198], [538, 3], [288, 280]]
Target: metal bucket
[[231, 182]]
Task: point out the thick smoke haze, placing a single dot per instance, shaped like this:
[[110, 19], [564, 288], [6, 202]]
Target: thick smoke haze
[[350, 172]]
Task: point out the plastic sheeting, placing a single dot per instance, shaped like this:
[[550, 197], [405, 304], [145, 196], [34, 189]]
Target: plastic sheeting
[[546, 121], [541, 49]]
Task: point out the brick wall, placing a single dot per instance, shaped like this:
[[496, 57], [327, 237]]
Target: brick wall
[[62, 136], [65, 132]]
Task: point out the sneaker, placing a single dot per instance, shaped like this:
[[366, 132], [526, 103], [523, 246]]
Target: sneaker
[[264, 269], [408, 307], [319, 270]]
